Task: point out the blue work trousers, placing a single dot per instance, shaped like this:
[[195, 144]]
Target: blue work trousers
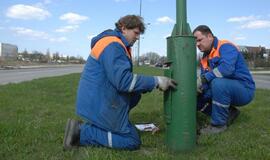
[[223, 93], [92, 135]]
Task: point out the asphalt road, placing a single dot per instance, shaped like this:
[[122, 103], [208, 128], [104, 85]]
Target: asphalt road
[[20, 75], [27, 74], [262, 81]]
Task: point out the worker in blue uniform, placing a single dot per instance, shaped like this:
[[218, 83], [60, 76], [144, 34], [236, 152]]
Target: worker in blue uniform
[[225, 81], [108, 90]]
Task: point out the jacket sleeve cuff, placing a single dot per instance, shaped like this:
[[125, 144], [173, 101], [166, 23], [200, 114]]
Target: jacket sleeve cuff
[[210, 76]]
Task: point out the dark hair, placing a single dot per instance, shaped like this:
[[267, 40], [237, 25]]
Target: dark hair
[[131, 22], [203, 29]]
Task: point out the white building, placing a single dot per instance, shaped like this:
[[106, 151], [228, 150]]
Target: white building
[[8, 51]]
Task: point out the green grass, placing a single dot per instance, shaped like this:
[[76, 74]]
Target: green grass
[[33, 117]]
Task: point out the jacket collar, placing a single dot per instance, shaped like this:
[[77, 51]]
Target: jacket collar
[[213, 45], [110, 32], [122, 37]]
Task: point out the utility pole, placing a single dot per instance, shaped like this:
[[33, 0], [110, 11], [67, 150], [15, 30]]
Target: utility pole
[[180, 104], [138, 56]]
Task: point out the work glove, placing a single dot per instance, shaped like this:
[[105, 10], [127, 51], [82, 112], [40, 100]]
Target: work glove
[[164, 83], [200, 81], [199, 84]]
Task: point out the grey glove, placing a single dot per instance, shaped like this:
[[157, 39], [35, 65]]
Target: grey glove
[[199, 84], [164, 83], [200, 81]]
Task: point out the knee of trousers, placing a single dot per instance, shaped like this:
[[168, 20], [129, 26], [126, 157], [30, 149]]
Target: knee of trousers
[[218, 85], [129, 142]]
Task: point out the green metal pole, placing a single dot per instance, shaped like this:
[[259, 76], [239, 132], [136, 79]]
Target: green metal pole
[[180, 104], [181, 17]]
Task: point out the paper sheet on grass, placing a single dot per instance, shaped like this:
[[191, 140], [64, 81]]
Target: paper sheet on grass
[[146, 127]]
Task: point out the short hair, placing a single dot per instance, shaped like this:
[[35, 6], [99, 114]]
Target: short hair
[[131, 22], [204, 29]]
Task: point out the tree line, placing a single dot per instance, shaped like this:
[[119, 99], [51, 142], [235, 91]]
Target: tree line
[[48, 57]]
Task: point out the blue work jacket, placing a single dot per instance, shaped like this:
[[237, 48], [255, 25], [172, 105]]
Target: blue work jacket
[[108, 88], [225, 61]]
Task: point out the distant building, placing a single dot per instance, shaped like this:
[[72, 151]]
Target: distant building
[[266, 55], [255, 56], [8, 51], [251, 53], [251, 49]]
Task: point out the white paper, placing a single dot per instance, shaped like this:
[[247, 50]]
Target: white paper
[[146, 127]]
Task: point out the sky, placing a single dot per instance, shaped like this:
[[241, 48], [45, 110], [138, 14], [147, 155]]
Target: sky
[[67, 26]]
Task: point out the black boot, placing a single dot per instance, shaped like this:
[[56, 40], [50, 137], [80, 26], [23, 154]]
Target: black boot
[[212, 129], [72, 134], [233, 114]]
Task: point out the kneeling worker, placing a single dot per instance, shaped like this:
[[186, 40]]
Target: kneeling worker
[[108, 90]]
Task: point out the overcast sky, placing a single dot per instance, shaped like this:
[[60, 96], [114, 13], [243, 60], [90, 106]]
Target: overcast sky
[[67, 26]]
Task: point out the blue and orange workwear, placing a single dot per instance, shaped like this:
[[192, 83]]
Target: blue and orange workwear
[[228, 81], [108, 90]]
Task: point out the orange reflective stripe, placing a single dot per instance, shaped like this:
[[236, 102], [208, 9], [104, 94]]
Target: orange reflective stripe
[[104, 42], [214, 53], [204, 63]]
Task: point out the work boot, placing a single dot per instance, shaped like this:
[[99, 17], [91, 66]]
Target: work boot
[[211, 129], [233, 114], [72, 134]]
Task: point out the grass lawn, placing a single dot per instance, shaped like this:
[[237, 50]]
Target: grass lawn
[[33, 117]]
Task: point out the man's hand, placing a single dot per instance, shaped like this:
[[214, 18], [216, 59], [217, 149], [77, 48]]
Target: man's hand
[[199, 84], [200, 81], [164, 83]]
